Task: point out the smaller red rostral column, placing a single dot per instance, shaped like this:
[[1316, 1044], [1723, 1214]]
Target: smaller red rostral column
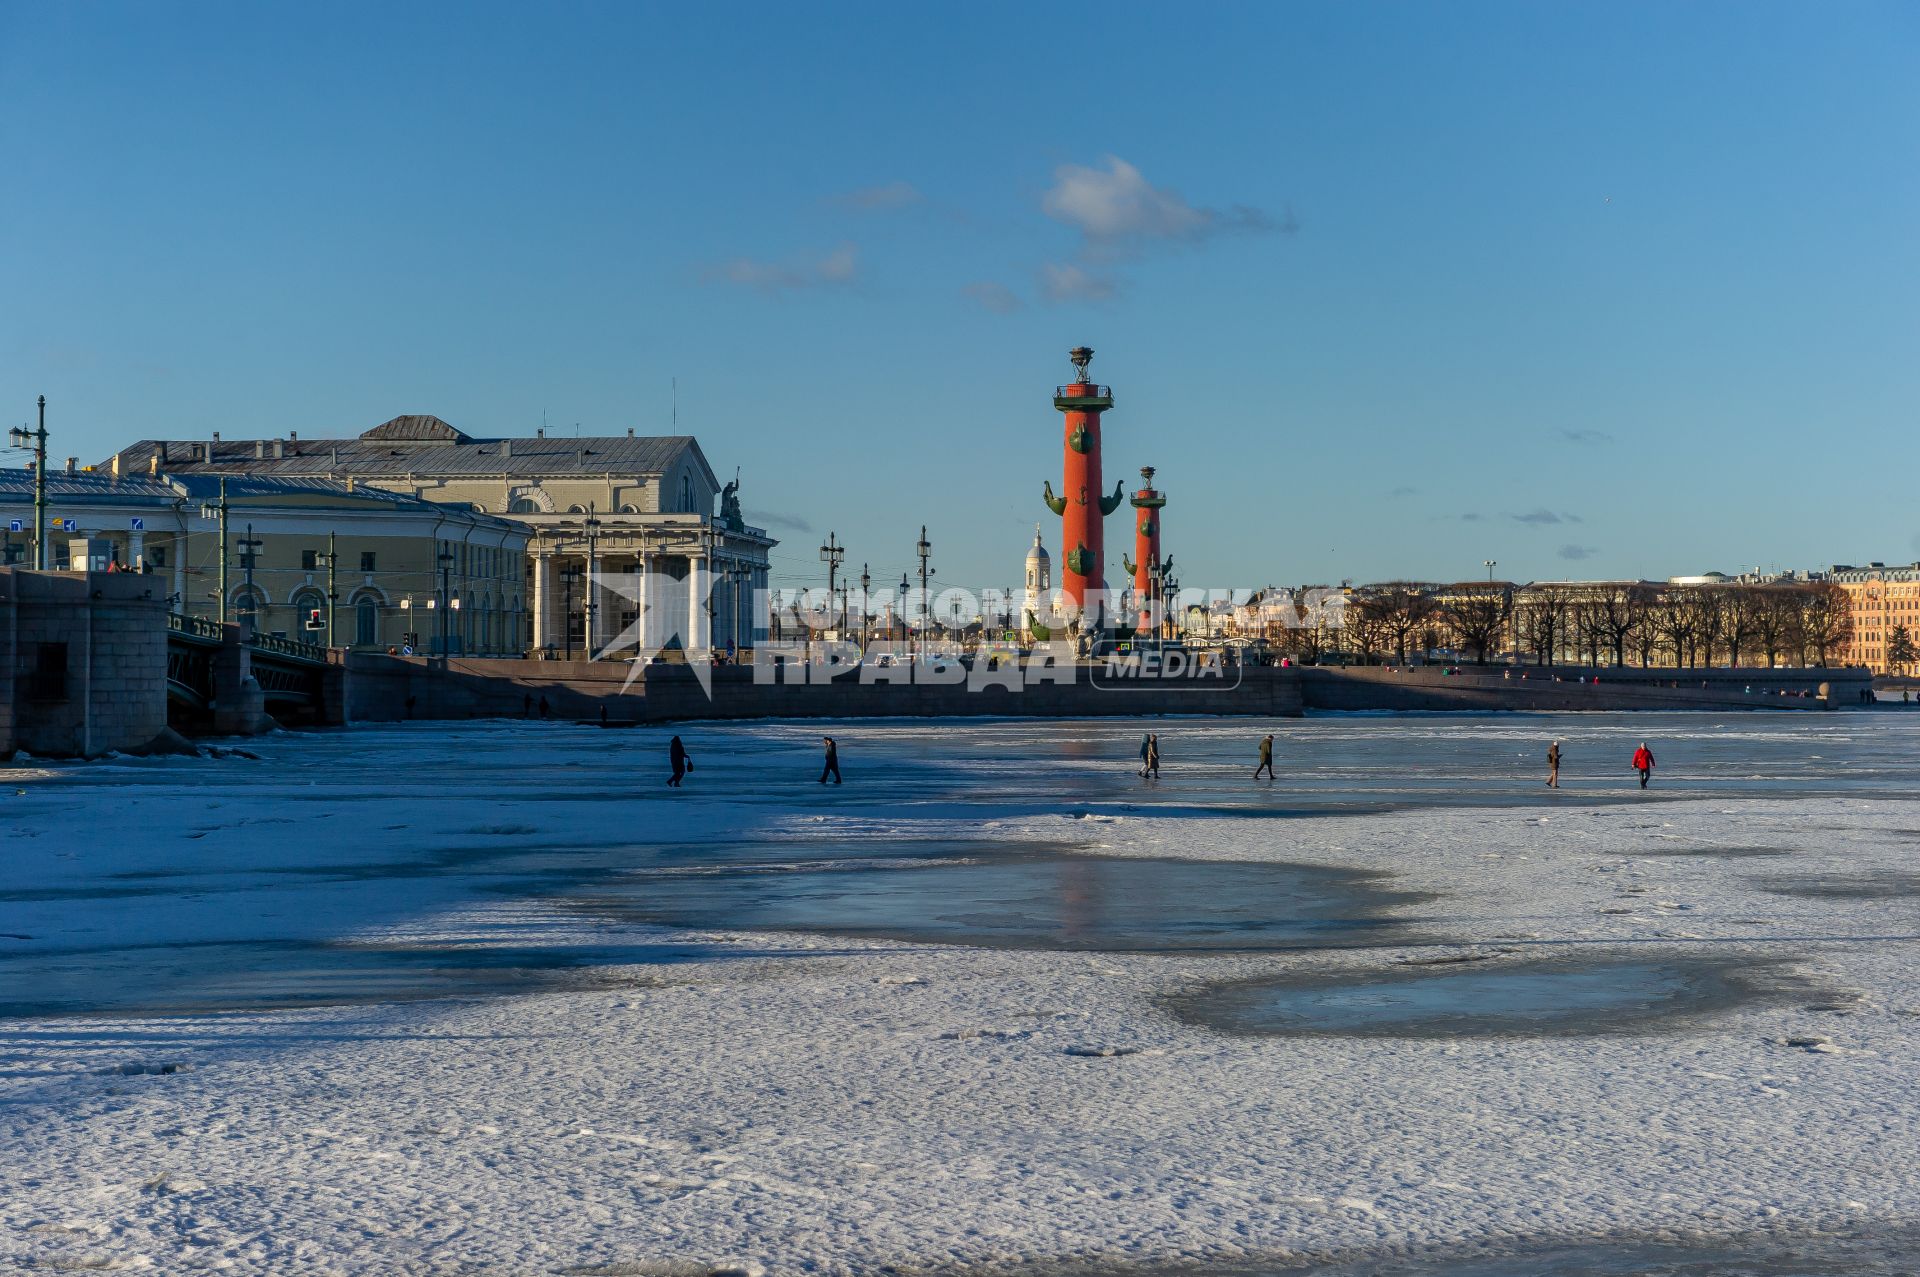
[[1146, 548]]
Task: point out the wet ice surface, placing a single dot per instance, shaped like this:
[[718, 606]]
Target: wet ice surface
[[1885, 1253], [1501, 998], [1033, 901]]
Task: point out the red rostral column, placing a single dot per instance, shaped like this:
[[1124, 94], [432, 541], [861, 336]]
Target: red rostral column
[[1146, 567], [1081, 505]]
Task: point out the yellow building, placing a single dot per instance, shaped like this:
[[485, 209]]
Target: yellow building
[[376, 566], [624, 538], [1882, 600]]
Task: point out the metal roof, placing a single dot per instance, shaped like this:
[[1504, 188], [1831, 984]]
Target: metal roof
[[85, 485], [390, 457], [99, 487]]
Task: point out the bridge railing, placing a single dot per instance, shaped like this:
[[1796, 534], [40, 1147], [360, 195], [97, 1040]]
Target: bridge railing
[[290, 647], [199, 627]]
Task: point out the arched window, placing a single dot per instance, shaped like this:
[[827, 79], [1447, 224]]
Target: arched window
[[576, 509], [366, 622], [686, 493], [523, 505]]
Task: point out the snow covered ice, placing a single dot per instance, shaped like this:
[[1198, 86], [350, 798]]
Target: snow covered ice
[[490, 998]]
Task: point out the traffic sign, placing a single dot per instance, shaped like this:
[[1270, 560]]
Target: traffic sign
[[139, 524], [67, 525], [14, 525]]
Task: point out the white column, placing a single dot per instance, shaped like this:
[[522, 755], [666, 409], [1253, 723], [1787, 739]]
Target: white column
[[542, 599], [699, 638], [643, 640]]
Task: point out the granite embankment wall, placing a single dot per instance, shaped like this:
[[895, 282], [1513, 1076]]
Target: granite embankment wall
[[384, 689], [379, 688], [1429, 688], [83, 662]]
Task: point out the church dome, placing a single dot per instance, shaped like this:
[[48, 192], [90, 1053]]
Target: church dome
[[1038, 554]]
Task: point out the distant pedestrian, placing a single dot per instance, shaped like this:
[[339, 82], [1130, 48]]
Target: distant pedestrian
[[1266, 757], [678, 760], [526, 706], [603, 716], [543, 707], [1553, 765], [832, 765], [1153, 755], [1643, 763], [1146, 749], [410, 704]]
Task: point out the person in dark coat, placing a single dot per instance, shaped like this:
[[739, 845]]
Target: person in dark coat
[[832, 766], [1266, 758], [1553, 765], [1153, 755], [543, 707], [1643, 763], [1146, 751], [677, 758]]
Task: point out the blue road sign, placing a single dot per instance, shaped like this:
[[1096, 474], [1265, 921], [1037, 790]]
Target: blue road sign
[[14, 525], [68, 525], [139, 524]]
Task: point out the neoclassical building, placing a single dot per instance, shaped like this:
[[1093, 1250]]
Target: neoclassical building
[[611, 518]]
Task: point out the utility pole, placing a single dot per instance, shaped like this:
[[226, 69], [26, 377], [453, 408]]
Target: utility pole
[[831, 552], [333, 594], [21, 437], [586, 606], [218, 510], [924, 548], [249, 549]]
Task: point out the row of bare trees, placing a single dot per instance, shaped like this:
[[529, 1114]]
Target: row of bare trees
[[1619, 623]]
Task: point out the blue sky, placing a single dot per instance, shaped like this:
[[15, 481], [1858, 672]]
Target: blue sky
[[1383, 290]]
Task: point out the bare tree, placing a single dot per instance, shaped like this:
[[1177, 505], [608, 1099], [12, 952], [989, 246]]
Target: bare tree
[[1826, 618], [1477, 613], [1404, 608], [1540, 620]]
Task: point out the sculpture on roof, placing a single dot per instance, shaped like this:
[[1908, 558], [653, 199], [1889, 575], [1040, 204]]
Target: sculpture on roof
[[730, 516]]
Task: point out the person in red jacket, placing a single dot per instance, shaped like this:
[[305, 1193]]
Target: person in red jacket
[[1643, 763]]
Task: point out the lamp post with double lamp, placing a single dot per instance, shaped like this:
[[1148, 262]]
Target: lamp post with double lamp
[[21, 437], [924, 548]]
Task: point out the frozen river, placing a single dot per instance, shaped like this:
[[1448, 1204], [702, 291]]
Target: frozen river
[[995, 1001]]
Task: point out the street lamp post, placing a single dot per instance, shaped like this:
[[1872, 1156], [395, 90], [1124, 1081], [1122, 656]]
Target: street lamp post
[[218, 510], [906, 623], [924, 548], [866, 611], [1490, 565], [21, 437], [446, 598], [568, 575], [333, 592]]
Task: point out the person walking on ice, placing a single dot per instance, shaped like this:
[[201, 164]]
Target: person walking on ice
[[678, 760], [1553, 765], [1150, 752], [1266, 757], [1643, 763], [832, 765]]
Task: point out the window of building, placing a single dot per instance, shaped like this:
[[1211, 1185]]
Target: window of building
[[366, 560], [366, 623], [523, 505], [156, 557], [309, 560]]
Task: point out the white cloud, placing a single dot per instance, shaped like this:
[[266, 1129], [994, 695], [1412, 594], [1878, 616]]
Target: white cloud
[[887, 195], [1065, 282], [837, 267], [1117, 205], [997, 298]]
